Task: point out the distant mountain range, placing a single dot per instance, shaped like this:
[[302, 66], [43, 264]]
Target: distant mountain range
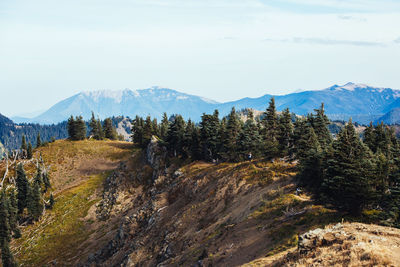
[[361, 102]]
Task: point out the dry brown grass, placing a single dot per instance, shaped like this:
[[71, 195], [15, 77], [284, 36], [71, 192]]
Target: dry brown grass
[[348, 244]]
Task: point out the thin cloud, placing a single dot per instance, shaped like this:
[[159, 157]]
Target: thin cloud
[[351, 18], [322, 41], [397, 41], [354, 5]]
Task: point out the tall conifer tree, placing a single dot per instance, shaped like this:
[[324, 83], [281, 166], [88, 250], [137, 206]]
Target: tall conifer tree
[[348, 176], [22, 188], [270, 130], [38, 140], [285, 132]]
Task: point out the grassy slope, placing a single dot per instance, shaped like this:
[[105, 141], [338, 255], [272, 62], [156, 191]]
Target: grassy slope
[[236, 211], [77, 172]]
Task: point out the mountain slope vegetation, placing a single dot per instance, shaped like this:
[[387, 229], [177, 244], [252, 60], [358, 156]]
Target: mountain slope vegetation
[[218, 193], [78, 170], [108, 212]]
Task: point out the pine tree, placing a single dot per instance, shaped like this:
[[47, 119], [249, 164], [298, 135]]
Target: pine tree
[[39, 174], [147, 131], [311, 162], [369, 137], [156, 129], [38, 141], [29, 153], [347, 184], [13, 214], [22, 188], [176, 136], [109, 129], [222, 137], [299, 131], [35, 205], [393, 199], [5, 232], [209, 126], [188, 139], [23, 144], [250, 139], [285, 132], [195, 146], [46, 182], [94, 131], [381, 176], [233, 128], [137, 130], [6, 255], [71, 125], [164, 126], [80, 128], [51, 201], [320, 124], [100, 130], [270, 131]]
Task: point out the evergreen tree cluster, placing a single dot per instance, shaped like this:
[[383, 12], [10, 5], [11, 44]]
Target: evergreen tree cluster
[[215, 139], [30, 194], [11, 134], [26, 150], [344, 171], [8, 225], [23, 202], [77, 128], [348, 172]]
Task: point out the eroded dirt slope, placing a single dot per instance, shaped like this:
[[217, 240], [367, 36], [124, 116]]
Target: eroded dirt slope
[[204, 214]]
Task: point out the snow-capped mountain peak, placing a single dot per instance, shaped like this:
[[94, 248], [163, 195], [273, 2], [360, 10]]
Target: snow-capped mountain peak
[[116, 95], [352, 86], [361, 102]]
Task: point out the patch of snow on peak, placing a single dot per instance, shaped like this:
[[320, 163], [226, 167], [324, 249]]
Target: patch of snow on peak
[[96, 95], [351, 86], [210, 101]]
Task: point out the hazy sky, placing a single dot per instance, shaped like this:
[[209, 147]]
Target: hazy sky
[[220, 49]]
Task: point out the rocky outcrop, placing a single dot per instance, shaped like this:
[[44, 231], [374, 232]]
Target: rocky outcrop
[[110, 193], [345, 244], [156, 156], [321, 237]]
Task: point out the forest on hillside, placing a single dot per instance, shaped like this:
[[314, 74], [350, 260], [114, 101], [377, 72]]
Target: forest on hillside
[[11, 134], [345, 171]]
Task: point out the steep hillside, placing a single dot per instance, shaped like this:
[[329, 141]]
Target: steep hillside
[[119, 205], [108, 210], [206, 214], [78, 170]]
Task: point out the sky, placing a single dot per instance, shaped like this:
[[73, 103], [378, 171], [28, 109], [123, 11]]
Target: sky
[[219, 49]]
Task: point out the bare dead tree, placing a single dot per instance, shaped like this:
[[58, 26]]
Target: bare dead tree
[[5, 174]]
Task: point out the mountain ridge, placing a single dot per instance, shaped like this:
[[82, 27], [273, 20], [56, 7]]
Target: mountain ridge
[[362, 102]]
